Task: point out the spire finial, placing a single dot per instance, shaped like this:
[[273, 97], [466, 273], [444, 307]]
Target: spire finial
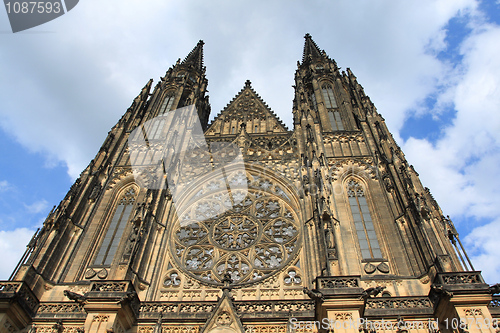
[[311, 49], [248, 84], [195, 57]]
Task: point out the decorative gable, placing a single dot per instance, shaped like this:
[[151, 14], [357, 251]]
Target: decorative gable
[[224, 319], [249, 109]]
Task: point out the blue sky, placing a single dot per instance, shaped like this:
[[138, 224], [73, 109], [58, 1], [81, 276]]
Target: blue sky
[[431, 68]]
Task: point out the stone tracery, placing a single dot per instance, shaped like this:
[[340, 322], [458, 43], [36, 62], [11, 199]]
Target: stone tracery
[[257, 237]]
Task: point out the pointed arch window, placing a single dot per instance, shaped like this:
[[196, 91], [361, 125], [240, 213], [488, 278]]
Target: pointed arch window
[[328, 96], [365, 229], [167, 103], [116, 228], [331, 105]]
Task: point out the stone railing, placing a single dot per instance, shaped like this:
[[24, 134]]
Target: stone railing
[[274, 306], [111, 286], [16, 290], [399, 303], [245, 308], [460, 278], [60, 308], [197, 309], [398, 306], [335, 282]]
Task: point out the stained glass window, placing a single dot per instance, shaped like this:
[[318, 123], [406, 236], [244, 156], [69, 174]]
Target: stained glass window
[[363, 223], [116, 228]]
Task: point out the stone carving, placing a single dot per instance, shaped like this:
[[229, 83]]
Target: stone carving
[[80, 299], [474, 312], [370, 268], [265, 329], [102, 274], [343, 316], [372, 292], [109, 286], [58, 328], [253, 241], [100, 318], [224, 318], [274, 306], [404, 303], [193, 308], [461, 278], [60, 308], [90, 273], [383, 268], [338, 282], [180, 329], [23, 293]]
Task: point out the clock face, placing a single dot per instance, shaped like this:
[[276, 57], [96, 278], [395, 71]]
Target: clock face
[[258, 236]]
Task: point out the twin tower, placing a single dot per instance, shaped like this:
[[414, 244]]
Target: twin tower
[[241, 225]]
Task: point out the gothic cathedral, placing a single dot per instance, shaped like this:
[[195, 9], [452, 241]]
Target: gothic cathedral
[[240, 225]]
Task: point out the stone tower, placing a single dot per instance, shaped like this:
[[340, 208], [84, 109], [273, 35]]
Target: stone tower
[[243, 225]]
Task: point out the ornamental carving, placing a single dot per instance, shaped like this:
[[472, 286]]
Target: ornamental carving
[[406, 303], [473, 312], [265, 329], [338, 282], [460, 278], [224, 318], [170, 329], [274, 306], [60, 308], [343, 316], [109, 286], [100, 318], [259, 236]]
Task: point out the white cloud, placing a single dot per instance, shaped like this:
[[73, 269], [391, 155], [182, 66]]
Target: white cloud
[[465, 161], [12, 246], [37, 206], [4, 186], [483, 241]]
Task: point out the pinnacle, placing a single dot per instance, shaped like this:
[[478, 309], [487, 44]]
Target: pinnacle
[[195, 57], [311, 49]]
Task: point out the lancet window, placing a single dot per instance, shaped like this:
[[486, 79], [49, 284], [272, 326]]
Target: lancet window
[[365, 229], [116, 227]]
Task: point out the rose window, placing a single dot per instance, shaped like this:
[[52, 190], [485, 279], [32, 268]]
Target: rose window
[[235, 232], [252, 234]]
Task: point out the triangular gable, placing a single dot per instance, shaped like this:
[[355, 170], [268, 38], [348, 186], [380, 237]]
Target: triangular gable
[[247, 107], [224, 319]]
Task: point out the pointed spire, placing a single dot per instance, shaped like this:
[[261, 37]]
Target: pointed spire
[[311, 49], [195, 57]]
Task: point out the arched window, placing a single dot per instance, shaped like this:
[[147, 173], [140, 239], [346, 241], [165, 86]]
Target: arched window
[[365, 230], [331, 105], [328, 96], [167, 103], [117, 225]]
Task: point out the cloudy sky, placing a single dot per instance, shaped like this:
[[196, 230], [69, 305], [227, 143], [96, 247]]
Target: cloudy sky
[[432, 68]]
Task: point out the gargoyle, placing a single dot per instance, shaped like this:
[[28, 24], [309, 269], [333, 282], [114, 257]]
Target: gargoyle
[[441, 291], [374, 291], [80, 299], [495, 289], [314, 294], [128, 297]]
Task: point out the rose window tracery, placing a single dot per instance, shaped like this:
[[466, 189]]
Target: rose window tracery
[[250, 234]]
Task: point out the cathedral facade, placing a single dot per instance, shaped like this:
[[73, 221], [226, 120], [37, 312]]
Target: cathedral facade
[[241, 225]]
